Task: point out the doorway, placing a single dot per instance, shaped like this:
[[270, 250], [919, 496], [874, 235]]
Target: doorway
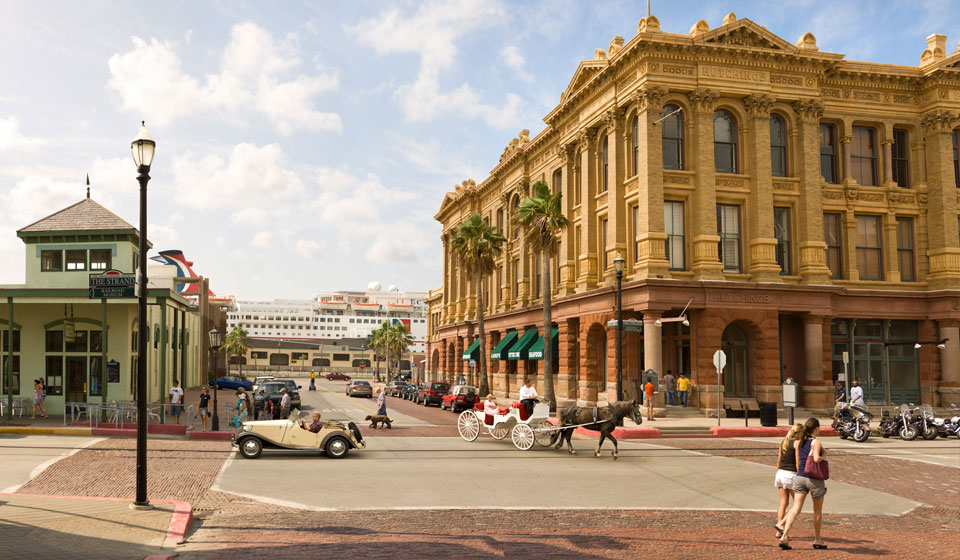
[[736, 376], [76, 379]]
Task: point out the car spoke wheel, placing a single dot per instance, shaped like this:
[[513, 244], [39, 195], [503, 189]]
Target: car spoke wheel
[[499, 433], [522, 436], [337, 447], [250, 447], [542, 432], [468, 425]]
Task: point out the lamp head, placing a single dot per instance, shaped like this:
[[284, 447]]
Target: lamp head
[[216, 338], [917, 346], [685, 322], [143, 147], [618, 263], [943, 344], [658, 323]]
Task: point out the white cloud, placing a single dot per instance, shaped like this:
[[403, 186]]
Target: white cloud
[[254, 74], [250, 175], [433, 32], [175, 218], [432, 157], [163, 237], [12, 139], [249, 216], [263, 239], [395, 243], [308, 249], [514, 59]]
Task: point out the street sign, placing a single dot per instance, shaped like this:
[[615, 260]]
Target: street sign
[[113, 284], [719, 360], [629, 325]]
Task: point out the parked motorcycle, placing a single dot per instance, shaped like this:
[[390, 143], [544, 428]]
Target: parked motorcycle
[[947, 427], [853, 421], [895, 425], [923, 419]]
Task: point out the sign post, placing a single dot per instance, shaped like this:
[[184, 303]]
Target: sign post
[[846, 376], [720, 362]]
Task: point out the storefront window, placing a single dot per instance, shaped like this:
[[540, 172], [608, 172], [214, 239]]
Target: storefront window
[[54, 375]]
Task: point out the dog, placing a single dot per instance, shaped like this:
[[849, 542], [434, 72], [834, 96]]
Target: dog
[[378, 419]]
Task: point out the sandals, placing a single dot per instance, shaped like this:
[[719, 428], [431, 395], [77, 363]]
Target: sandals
[[820, 546], [785, 545]]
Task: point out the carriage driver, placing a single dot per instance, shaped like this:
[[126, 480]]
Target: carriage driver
[[528, 396]]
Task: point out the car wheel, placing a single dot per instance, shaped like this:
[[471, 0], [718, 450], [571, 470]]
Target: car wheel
[[250, 447], [337, 447]]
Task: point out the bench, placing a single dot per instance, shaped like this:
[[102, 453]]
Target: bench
[[735, 407]]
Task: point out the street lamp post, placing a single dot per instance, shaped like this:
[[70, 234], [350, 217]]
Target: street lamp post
[[618, 266], [142, 147], [216, 339]]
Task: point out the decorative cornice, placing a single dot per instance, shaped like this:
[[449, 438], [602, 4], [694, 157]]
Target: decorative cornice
[[614, 118], [758, 105], [585, 138], [938, 120], [565, 152], [810, 110], [703, 100], [649, 98]]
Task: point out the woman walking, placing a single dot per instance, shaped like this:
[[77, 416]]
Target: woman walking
[[204, 407], [39, 393], [786, 472], [808, 448], [242, 408]]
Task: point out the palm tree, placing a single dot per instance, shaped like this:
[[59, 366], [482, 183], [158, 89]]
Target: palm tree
[[377, 343], [398, 341], [543, 221], [478, 245], [235, 343]]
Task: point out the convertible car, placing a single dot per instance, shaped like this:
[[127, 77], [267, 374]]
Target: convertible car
[[335, 438]]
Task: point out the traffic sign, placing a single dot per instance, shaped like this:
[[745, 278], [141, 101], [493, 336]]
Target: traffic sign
[[719, 360], [113, 284]]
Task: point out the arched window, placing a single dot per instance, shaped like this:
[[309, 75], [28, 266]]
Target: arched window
[[672, 137], [606, 164], [725, 141], [636, 144], [516, 213], [778, 146]]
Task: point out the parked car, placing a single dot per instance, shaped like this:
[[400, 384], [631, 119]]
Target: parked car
[[260, 380], [409, 392], [359, 388], [333, 375], [394, 387], [462, 397], [335, 438], [432, 393], [272, 389], [232, 382]]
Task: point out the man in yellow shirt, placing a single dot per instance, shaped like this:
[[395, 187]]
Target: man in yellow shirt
[[683, 385]]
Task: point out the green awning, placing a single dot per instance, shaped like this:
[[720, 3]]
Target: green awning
[[536, 351], [472, 353], [519, 350], [500, 352]]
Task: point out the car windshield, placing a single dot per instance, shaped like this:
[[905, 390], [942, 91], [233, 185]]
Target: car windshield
[[295, 415], [439, 387], [360, 383], [272, 388], [290, 383]]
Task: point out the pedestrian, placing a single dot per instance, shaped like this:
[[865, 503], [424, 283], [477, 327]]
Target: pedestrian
[[683, 385], [670, 382], [856, 393], [382, 407], [839, 399], [242, 408], [204, 406], [176, 400], [528, 396], [786, 472], [808, 448], [648, 389], [284, 403], [39, 393], [268, 409], [258, 405]]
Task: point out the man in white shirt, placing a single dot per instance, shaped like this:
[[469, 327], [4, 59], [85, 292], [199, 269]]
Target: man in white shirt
[[856, 394], [176, 400], [528, 396], [284, 403], [490, 409]]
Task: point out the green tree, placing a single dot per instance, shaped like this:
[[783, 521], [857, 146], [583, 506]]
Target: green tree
[[235, 343], [543, 221], [377, 341], [400, 341], [477, 245]]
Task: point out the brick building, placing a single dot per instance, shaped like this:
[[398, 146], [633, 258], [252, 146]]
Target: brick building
[[807, 204]]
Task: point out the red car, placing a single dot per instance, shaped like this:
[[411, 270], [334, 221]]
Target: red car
[[432, 393], [462, 397], [335, 375]]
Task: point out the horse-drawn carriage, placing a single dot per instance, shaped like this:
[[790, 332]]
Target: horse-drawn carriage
[[524, 429]]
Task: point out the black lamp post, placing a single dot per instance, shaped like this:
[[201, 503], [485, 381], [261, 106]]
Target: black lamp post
[[142, 147], [216, 339], [618, 266]]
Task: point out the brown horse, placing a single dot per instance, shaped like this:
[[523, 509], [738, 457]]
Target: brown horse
[[603, 419]]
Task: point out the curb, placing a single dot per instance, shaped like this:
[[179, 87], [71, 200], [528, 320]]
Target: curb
[[718, 432], [215, 436], [179, 521], [66, 431], [625, 433]]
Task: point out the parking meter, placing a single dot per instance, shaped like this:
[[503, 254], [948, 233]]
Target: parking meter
[[791, 394]]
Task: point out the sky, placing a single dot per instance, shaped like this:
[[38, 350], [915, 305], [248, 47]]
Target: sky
[[306, 146]]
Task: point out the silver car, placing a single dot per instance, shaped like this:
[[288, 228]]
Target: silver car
[[359, 388]]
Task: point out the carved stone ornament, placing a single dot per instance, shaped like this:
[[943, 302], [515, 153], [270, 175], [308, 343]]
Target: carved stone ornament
[[565, 153], [703, 99], [585, 138], [810, 110], [649, 98], [938, 121], [758, 105], [613, 119]]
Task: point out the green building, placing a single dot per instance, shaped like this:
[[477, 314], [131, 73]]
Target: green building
[[85, 349]]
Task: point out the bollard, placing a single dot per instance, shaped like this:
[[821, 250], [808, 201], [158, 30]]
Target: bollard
[[746, 414]]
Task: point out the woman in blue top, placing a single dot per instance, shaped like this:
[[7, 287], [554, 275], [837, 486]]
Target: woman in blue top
[[204, 408], [808, 449]]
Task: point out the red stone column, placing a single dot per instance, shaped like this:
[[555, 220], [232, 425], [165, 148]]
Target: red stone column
[[458, 360], [587, 379], [568, 374], [608, 381]]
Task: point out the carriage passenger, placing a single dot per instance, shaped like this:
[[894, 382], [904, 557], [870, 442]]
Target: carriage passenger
[[489, 410], [528, 396]]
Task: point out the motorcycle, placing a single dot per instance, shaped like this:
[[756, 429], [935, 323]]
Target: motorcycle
[[853, 421], [923, 419], [947, 427], [895, 425]]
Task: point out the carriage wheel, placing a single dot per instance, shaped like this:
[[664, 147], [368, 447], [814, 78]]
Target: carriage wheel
[[468, 425], [499, 433], [522, 437], [543, 432]]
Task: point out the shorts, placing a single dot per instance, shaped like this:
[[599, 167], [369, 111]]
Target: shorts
[[174, 410], [814, 486], [203, 411], [784, 479]]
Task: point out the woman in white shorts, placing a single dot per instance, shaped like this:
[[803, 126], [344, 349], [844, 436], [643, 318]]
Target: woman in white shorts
[[786, 472]]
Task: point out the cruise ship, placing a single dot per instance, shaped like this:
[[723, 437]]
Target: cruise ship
[[334, 316]]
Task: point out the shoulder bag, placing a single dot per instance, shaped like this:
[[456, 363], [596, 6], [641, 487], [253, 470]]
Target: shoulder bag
[[813, 469]]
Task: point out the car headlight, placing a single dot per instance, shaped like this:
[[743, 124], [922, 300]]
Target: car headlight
[[246, 427]]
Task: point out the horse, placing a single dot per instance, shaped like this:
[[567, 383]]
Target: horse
[[603, 419]]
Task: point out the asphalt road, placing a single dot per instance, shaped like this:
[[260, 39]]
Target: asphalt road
[[332, 402], [23, 457]]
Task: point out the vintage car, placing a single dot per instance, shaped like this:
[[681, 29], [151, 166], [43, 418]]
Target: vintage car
[[461, 397], [335, 438]]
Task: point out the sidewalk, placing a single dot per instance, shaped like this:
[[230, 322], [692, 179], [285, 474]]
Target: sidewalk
[[34, 526]]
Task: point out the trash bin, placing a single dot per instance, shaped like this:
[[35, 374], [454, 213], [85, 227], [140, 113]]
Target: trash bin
[[768, 414]]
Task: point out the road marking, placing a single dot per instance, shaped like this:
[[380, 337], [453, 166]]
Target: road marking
[[46, 464], [346, 398]]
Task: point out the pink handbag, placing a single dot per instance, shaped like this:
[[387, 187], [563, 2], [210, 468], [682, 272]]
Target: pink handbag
[[817, 470]]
